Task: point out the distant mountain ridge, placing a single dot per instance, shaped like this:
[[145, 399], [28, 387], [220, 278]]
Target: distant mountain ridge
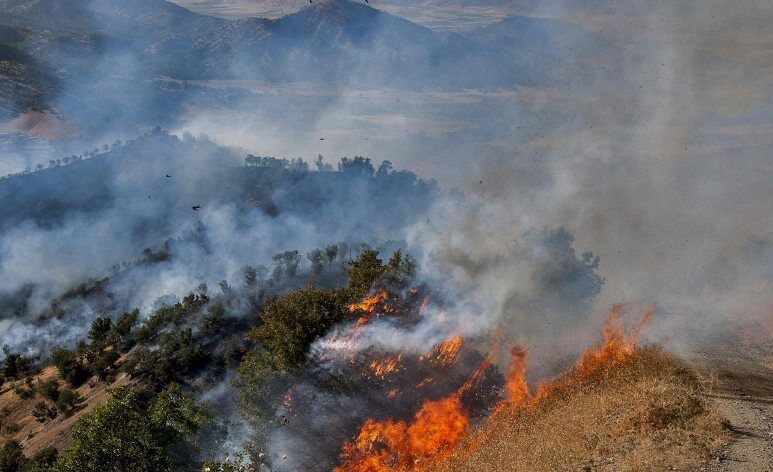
[[88, 45], [171, 40]]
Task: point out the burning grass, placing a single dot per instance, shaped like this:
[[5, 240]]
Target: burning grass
[[620, 407], [642, 412]]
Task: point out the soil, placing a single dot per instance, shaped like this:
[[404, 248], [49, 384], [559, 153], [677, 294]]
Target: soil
[[739, 372]]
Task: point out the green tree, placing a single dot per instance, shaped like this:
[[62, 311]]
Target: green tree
[[331, 252], [316, 258], [363, 271], [250, 275], [104, 364], [42, 412], [291, 322], [43, 461], [132, 433], [100, 329], [16, 366], [125, 324], [69, 365], [12, 457], [68, 401], [49, 389]]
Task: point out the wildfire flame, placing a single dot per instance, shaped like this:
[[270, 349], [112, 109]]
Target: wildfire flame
[[475, 378], [617, 346], [370, 304], [517, 388], [439, 426], [444, 353], [399, 446], [383, 367]]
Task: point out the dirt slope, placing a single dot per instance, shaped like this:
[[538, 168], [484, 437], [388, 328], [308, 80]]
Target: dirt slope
[[19, 424], [738, 367]]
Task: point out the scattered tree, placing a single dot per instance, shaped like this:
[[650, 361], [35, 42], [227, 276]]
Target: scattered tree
[[316, 258]]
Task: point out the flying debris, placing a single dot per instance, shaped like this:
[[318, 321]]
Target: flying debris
[[196, 207]]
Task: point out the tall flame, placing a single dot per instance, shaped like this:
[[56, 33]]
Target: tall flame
[[517, 388], [617, 345]]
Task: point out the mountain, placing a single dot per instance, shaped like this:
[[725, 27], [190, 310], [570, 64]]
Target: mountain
[[345, 41], [106, 55], [540, 41], [24, 82], [330, 40]]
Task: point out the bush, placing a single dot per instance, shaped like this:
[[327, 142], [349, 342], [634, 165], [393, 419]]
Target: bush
[[12, 457], [70, 367], [42, 412], [24, 393], [68, 401], [49, 389]]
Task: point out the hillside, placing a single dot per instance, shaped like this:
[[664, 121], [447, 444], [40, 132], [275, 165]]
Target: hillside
[[19, 424], [25, 84], [645, 414]]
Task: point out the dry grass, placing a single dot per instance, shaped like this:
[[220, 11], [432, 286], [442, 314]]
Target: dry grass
[[17, 422], [644, 414]]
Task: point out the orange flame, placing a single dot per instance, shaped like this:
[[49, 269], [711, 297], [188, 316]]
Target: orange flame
[[370, 304], [425, 381], [439, 426], [388, 365], [396, 446], [617, 346], [444, 353], [517, 388], [475, 378]]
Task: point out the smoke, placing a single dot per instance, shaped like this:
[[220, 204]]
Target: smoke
[[143, 197], [640, 133], [655, 160]]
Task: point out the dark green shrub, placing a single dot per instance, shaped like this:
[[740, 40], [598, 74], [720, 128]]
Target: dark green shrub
[[70, 367], [49, 389]]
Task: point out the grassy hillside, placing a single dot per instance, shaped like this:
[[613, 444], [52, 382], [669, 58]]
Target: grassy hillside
[[644, 414]]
